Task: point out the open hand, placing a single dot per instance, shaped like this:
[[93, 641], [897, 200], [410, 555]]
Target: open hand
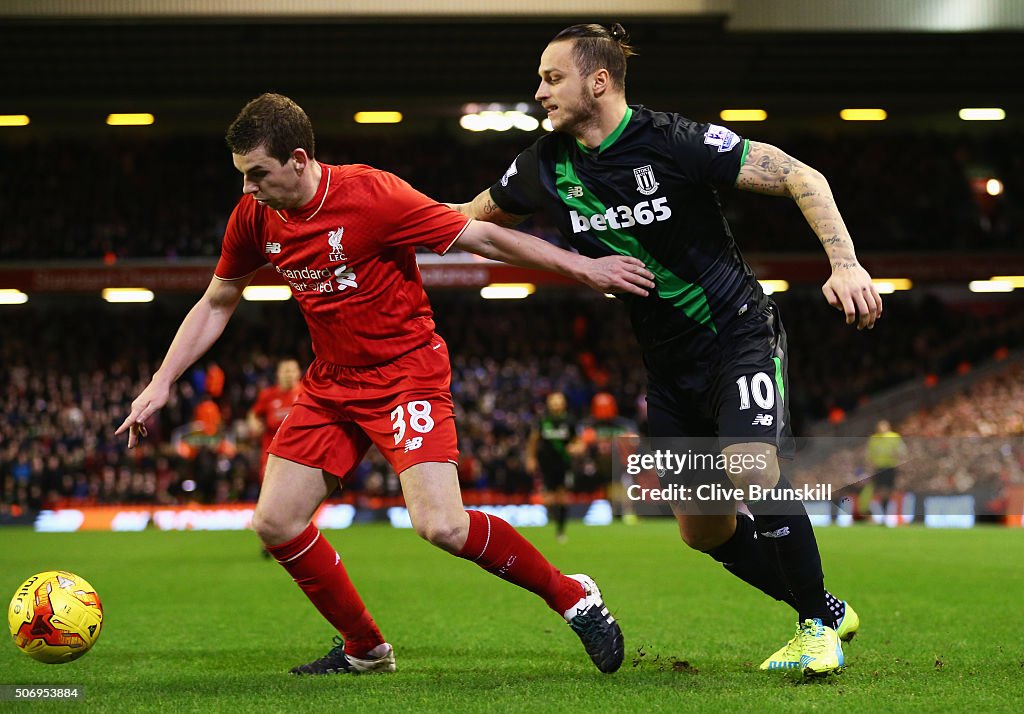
[[619, 274], [850, 290]]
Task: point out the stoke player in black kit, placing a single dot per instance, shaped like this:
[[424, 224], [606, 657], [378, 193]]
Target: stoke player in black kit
[[549, 452], [620, 179]]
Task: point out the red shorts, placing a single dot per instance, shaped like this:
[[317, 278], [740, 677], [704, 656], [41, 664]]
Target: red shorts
[[404, 407]]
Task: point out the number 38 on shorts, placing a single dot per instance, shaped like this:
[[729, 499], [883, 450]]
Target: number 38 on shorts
[[413, 416]]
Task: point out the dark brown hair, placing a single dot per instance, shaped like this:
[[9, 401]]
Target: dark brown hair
[[274, 122], [597, 46]]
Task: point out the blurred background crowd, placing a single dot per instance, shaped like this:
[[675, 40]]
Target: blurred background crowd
[[921, 189], [898, 192], [71, 371]]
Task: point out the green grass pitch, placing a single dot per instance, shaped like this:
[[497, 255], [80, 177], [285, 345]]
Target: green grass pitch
[[198, 621]]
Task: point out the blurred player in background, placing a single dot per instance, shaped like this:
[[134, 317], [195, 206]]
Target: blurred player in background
[[272, 406], [626, 180], [204, 444], [548, 453], [344, 238], [885, 452], [602, 437]]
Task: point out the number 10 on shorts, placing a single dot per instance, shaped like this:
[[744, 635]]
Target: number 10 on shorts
[[761, 388], [419, 420]]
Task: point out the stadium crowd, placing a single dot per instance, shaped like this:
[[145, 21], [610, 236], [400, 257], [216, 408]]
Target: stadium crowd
[[969, 443], [169, 197], [70, 372]]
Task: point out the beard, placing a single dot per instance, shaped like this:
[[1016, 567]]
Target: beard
[[579, 116]]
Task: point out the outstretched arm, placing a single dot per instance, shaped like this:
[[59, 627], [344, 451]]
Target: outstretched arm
[[531, 451], [611, 274], [771, 171], [256, 427], [483, 208], [197, 333]]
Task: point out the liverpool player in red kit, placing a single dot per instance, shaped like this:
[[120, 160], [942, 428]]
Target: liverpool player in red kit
[[272, 405], [268, 413], [344, 237]]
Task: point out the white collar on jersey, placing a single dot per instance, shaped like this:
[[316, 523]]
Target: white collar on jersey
[[310, 217]]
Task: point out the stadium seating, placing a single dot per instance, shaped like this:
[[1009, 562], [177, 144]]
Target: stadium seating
[[170, 197], [61, 408]]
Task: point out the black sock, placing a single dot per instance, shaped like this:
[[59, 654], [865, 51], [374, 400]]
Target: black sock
[[836, 606], [786, 538], [742, 557], [561, 512]]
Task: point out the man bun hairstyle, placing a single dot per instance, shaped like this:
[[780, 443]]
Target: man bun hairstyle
[[596, 46], [274, 122]]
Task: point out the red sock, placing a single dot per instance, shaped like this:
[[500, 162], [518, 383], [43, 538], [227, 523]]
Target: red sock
[[498, 548], [317, 569]]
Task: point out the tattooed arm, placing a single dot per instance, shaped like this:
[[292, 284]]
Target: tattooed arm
[[483, 208], [771, 171], [609, 274]]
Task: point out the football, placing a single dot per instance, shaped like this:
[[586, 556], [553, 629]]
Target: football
[[55, 617]]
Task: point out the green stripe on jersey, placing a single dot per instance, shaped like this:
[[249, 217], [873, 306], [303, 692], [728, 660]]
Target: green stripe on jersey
[[611, 138], [778, 378], [743, 157], [688, 297]]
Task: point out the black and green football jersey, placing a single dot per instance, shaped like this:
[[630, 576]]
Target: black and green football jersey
[[648, 191], [555, 433]]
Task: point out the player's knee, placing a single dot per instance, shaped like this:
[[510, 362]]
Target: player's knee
[[765, 475], [446, 534], [272, 529], [703, 535], [699, 541]]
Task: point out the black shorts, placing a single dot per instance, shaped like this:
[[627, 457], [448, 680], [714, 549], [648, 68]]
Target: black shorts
[[556, 476], [885, 478], [736, 390]]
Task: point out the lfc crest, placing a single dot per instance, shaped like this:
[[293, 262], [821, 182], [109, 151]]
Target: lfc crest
[[334, 241]]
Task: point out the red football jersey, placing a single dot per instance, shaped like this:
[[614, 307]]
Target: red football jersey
[[271, 407], [349, 256]]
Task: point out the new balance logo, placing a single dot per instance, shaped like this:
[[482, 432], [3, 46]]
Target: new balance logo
[[272, 248], [763, 420], [781, 533], [413, 443], [574, 192]]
